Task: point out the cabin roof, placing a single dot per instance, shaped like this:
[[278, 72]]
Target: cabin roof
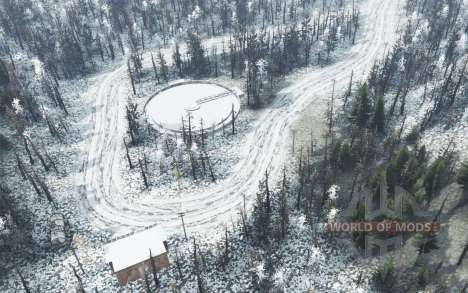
[[135, 248]]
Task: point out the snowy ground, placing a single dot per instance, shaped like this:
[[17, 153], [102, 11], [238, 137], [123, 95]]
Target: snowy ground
[[223, 150], [438, 137], [265, 144]]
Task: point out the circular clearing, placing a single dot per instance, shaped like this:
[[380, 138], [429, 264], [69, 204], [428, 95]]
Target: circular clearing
[[205, 102]]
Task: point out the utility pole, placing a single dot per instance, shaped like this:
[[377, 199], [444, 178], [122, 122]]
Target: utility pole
[[181, 215]]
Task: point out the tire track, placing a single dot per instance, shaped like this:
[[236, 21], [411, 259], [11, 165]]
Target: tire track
[[267, 147]]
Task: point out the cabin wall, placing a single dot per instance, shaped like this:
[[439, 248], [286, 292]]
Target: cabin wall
[[137, 271]]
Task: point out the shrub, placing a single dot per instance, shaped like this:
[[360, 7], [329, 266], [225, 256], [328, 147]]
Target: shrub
[[392, 176], [359, 214], [335, 153], [379, 114], [5, 145], [4, 76], [346, 156], [413, 136], [462, 175], [413, 171], [401, 160], [362, 107], [420, 190], [423, 274], [434, 178], [384, 277], [422, 153]]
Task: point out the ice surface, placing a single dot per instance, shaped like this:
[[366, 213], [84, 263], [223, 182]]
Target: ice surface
[[203, 101]]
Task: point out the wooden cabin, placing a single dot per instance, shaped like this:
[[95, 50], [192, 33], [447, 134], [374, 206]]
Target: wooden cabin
[[129, 256]]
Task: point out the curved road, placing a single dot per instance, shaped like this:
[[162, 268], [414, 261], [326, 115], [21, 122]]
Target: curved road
[[267, 147]]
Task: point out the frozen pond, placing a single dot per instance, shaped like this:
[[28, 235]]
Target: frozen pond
[[201, 100]]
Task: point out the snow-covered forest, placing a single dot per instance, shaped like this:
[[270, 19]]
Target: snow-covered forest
[[339, 103]]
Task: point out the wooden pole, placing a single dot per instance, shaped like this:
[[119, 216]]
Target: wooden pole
[[181, 215]]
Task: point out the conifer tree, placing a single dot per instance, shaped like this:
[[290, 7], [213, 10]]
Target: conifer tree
[[462, 175], [379, 114], [155, 68], [435, 177], [362, 107], [163, 68], [197, 60], [178, 60], [346, 156]]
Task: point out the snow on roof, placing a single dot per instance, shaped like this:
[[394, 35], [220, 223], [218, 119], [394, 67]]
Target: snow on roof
[[131, 250]]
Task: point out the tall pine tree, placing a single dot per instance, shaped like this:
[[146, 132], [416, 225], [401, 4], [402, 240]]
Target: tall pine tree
[[362, 107], [379, 114]]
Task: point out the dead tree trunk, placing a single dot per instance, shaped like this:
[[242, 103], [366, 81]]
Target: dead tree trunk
[[202, 134], [244, 222], [128, 155], [23, 281], [39, 155], [34, 185], [45, 189], [189, 130], [20, 165], [143, 173], [202, 159], [155, 69], [457, 86], [130, 75], [197, 268], [192, 163], [226, 247], [284, 209], [77, 260], [78, 278], [233, 118], [463, 254], [213, 178], [267, 191], [28, 151], [51, 162], [177, 261]]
